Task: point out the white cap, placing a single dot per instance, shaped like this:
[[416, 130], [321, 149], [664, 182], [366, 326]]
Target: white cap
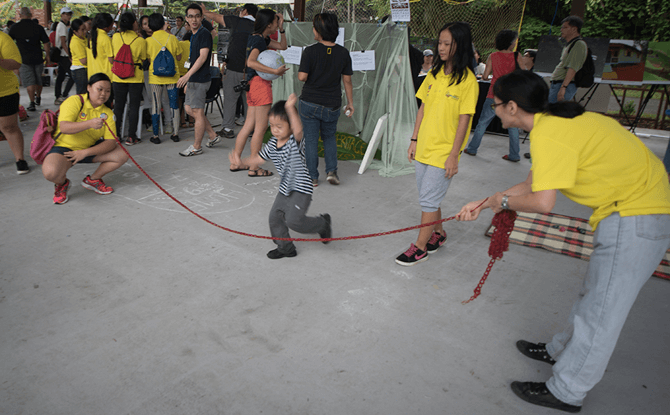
[[65, 10], [427, 52]]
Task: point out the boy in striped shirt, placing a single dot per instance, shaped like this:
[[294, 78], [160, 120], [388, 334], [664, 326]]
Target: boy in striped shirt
[[286, 149]]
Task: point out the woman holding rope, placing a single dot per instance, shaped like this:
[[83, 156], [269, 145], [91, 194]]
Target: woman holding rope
[[594, 161], [82, 137]]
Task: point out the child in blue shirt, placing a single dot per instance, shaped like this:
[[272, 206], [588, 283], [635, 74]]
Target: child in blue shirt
[[286, 149]]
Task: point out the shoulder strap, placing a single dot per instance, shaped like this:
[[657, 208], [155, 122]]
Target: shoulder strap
[[157, 41]]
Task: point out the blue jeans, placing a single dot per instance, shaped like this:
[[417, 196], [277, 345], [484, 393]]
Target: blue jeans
[[484, 120], [319, 119], [570, 92], [626, 252]]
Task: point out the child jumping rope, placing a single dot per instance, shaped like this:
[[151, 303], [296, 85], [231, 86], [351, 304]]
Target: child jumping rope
[[449, 97], [286, 149]]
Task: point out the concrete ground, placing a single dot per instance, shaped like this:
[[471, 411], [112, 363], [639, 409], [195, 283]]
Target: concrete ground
[[127, 304]]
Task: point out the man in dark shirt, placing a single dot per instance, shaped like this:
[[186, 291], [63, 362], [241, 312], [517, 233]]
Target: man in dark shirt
[[197, 80], [29, 37], [242, 27]]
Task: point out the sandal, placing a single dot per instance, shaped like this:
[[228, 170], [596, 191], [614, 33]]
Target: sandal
[[260, 173]]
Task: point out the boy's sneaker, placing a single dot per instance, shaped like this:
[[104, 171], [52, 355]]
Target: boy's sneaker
[[535, 351], [60, 192], [31, 107], [98, 186], [332, 178], [155, 140], [315, 183], [174, 138], [22, 167], [275, 254], [226, 132], [435, 242], [328, 232], [130, 141], [38, 101], [214, 141], [412, 256], [191, 151], [538, 394]]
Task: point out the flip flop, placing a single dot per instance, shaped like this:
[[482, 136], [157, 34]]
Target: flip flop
[[239, 169], [260, 173]]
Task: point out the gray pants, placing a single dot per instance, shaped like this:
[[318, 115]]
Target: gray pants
[[230, 80], [290, 212]]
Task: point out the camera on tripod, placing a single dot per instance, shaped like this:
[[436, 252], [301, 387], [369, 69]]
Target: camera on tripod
[[243, 86]]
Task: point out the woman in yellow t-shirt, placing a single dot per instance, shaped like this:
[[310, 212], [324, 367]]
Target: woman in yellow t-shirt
[[77, 41], [129, 90], [83, 137], [99, 52], [594, 161]]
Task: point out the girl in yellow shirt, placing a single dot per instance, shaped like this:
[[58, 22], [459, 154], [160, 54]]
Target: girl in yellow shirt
[[82, 137], [100, 53], [77, 41]]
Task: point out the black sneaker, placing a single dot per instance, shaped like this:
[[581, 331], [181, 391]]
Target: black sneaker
[[38, 101], [31, 107], [275, 254], [155, 140], [526, 155], [535, 351], [538, 394], [22, 167], [328, 233], [174, 138], [226, 132], [412, 256]]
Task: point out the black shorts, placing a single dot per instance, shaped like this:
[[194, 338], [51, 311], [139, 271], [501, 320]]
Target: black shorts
[[63, 150], [9, 105]]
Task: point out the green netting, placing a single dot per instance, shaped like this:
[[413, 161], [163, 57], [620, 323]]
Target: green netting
[[386, 90]]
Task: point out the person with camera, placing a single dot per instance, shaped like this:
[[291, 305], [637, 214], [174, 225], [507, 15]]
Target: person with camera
[[242, 27], [259, 95]]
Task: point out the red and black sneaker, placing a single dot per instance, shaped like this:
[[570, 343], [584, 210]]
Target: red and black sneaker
[[412, 256], [60, 192], [98, 186], [435, 242]]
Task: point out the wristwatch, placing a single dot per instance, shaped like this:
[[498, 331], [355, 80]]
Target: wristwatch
[[504, 203]]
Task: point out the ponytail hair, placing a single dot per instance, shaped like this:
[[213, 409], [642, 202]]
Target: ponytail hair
[[75, 25], [263, 19], [100, 21], [531, 94], [461, 60]]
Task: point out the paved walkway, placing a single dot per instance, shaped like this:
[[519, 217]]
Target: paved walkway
[[126, 304]]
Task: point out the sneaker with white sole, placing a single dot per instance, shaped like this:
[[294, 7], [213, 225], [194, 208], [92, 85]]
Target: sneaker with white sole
[[22, 167], [412, 256], [98, 186], [240, 121], [60, 192], [435, 242], [332, 178], [191, 151], [214, 141], [226, 132]]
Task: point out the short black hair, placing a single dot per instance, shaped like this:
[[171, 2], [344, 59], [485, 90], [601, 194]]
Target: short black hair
[[279, 110], [193, 6], [84, 19], [574, 21], [505, 38], [100, 76], [180, 18], [251, 9], [126, 21], [326, 25], [156, 21]]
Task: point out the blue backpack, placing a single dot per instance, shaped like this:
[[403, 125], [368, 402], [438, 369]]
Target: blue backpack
[[164, 62]]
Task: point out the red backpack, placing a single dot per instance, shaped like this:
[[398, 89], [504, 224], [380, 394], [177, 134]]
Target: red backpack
[[124, 65], [43, 139]]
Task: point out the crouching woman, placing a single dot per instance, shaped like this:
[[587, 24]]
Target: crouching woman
[[82, 137]]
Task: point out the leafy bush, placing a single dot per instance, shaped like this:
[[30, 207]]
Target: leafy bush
[[531, 30]]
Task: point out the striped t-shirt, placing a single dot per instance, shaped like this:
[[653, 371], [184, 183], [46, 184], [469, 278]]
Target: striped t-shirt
[[290, 163]]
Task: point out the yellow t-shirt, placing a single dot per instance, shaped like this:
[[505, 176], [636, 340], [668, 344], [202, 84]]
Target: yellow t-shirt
[[73, 110], [444, 104], [159, 39], [78, 50], [595, 162], [9, 83], [185, 47], [101, 64], [138, 48]]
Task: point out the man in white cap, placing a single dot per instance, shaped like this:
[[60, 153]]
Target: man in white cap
[[65, 61]]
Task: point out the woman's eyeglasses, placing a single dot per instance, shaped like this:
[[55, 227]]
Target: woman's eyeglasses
[[493, 106]]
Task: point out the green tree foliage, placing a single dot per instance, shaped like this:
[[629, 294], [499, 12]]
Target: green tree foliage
[[532, 29]]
